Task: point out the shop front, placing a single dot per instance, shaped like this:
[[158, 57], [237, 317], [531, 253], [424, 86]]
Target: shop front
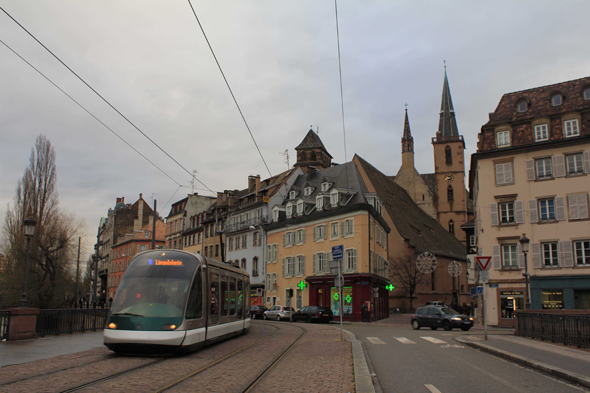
[[364, 296], [511, 300], [560, 292]]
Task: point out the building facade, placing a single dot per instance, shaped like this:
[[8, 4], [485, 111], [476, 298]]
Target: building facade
[[529, 179]]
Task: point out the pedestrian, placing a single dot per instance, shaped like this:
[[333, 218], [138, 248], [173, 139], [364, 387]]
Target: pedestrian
[[466, 309]]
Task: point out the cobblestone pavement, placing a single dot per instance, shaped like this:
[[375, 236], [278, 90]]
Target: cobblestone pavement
[[320, 349]]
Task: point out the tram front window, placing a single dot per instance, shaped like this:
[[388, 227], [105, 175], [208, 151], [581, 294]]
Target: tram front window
[[155, 286]]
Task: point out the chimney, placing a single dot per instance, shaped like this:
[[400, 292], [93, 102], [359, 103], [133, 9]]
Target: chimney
[[251, 182], [122, 199], [140, 195], [257, 184], [311, 172]]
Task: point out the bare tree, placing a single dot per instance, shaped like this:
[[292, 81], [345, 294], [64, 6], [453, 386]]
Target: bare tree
[[405, 273], [53, 247]]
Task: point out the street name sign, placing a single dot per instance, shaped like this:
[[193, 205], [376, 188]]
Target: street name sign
[[483, 263], [337, 252], [484, 277], [494, 285]]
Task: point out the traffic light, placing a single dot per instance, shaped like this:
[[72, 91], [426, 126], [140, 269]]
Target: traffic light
[[289, 293]]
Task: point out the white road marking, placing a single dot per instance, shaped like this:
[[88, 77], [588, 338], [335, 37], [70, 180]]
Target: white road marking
[[433, 340], [375, 340], [404, 340], [432, 388]]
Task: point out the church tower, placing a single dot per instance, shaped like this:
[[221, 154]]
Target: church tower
[[449, 168], [312, 152]]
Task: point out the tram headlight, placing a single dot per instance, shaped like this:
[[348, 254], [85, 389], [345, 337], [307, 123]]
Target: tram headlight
[[112, 325], [169, 327]]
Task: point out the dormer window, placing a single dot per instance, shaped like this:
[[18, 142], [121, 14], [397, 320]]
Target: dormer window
[[521, 106], [275, 214], [308, 191], [319, 202], [371, 201], [300, 207], [292, 194], [556, 100], [586, 93], [289, 210], [334, 198], [326, 186], [503, 138]]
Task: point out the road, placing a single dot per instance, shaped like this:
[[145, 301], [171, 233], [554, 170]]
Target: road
[[423, 361]]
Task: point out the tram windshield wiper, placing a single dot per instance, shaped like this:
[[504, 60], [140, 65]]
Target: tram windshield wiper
[[127, 313]]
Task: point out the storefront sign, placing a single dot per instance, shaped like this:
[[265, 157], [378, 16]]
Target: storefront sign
[[511, 293]]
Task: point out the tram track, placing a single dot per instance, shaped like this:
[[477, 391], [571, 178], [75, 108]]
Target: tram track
[[98, 381]]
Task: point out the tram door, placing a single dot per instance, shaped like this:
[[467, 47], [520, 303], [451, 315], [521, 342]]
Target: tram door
[[214, 298]]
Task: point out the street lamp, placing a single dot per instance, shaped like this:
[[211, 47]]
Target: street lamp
[[524, 245], [30, 224]]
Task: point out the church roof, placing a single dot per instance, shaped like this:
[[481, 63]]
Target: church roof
[[312, 141], [407, 132], [447, 125]]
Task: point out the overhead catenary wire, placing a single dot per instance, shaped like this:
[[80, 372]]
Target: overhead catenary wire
[[105, 100], [341, 92], [90, 113]]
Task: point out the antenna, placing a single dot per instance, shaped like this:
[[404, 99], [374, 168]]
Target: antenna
[[193, 181], [286, 155]]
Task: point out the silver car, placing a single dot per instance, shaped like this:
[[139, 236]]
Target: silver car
[[278, 313]]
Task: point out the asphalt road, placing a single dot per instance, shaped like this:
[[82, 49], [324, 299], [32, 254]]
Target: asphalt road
[[423, 361]]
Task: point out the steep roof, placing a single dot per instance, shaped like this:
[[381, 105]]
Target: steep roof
[[312, 141], [538, 102], [420, 230], [447, 125]]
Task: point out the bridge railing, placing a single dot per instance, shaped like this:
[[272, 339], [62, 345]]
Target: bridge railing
[[4, 323], [73, 320], [555, 327]]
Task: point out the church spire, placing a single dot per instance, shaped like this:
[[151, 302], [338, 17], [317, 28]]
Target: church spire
[[407, 140], [447, 125]]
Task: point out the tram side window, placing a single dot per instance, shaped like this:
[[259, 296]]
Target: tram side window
[[224, 297], [194, 308], [214, 289], [232, 296], [240, 297], [247, 298]]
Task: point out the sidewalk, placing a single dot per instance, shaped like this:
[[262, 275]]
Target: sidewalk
[[567, 363]]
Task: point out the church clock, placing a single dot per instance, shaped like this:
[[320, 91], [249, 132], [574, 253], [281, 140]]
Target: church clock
[[449, 177]]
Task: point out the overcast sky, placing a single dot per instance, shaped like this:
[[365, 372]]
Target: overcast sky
[[151, 61]]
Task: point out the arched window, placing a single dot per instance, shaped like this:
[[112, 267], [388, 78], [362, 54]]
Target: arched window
[[451, 226], [313, 156], [448, 155], [556, 100], [450, 196], [244, 263], [521, 106], [586, 93]]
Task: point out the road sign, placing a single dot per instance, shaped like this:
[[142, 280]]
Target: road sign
[[484, 277], [480, 290], [455, 268], [335, 264], [494, 285], [337, 252], [426, 262], [338, 281], [375, 290], [333, 271], [483, 263], [473, 292], [259, 291]]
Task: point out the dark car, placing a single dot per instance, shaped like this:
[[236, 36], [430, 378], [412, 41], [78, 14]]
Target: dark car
[[314, 313], [445, 317], [257, 311]]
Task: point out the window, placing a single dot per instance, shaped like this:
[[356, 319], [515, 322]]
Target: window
[[289, 210], [334, 230], [504, 173], [450, 196], [319, 202], [550, 254], [319, 232], [256, 242], [578, 206], [547, 209], [300, 207], [325, 186], [300, 265], [334, 199], [574, 163], [292, 195], [142, 248], [448, 155], [308, 191], [586, 93], [347, 227], [509, 255], [521, 106], [556, 100], [216, 250], [543, 168], [243, 264], [506, 210], [230, 244], [503, 138], [271, 253], [255, 266], [288, 239], [350, 263], [146, 234], [300, 236], [571, 128], [582, 252], [237, 242], [451, 226], [541, 133], [320, 262]]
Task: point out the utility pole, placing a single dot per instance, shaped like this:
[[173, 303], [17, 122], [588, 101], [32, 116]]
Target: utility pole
[[78, 272], [154, 225]]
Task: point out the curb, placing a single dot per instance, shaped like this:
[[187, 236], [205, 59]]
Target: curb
[[539, 366], [362, 376]]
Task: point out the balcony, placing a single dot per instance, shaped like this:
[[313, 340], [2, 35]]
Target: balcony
[[238, 226]]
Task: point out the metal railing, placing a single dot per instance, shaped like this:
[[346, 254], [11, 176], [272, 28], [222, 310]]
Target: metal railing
[[71, 320], [564, 329], [236, 226], [4, 323]]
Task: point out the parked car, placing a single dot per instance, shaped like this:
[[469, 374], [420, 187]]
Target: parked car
[[313, 314], [436, 303], [257, 311], [278, 312], [436, 316]]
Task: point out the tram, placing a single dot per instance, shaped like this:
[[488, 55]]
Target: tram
[[173, 301]]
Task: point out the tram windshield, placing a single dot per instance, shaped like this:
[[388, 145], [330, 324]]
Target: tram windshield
[[156, 284]]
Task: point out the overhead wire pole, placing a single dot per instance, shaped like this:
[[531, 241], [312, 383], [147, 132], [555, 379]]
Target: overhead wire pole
[[101, 97]]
